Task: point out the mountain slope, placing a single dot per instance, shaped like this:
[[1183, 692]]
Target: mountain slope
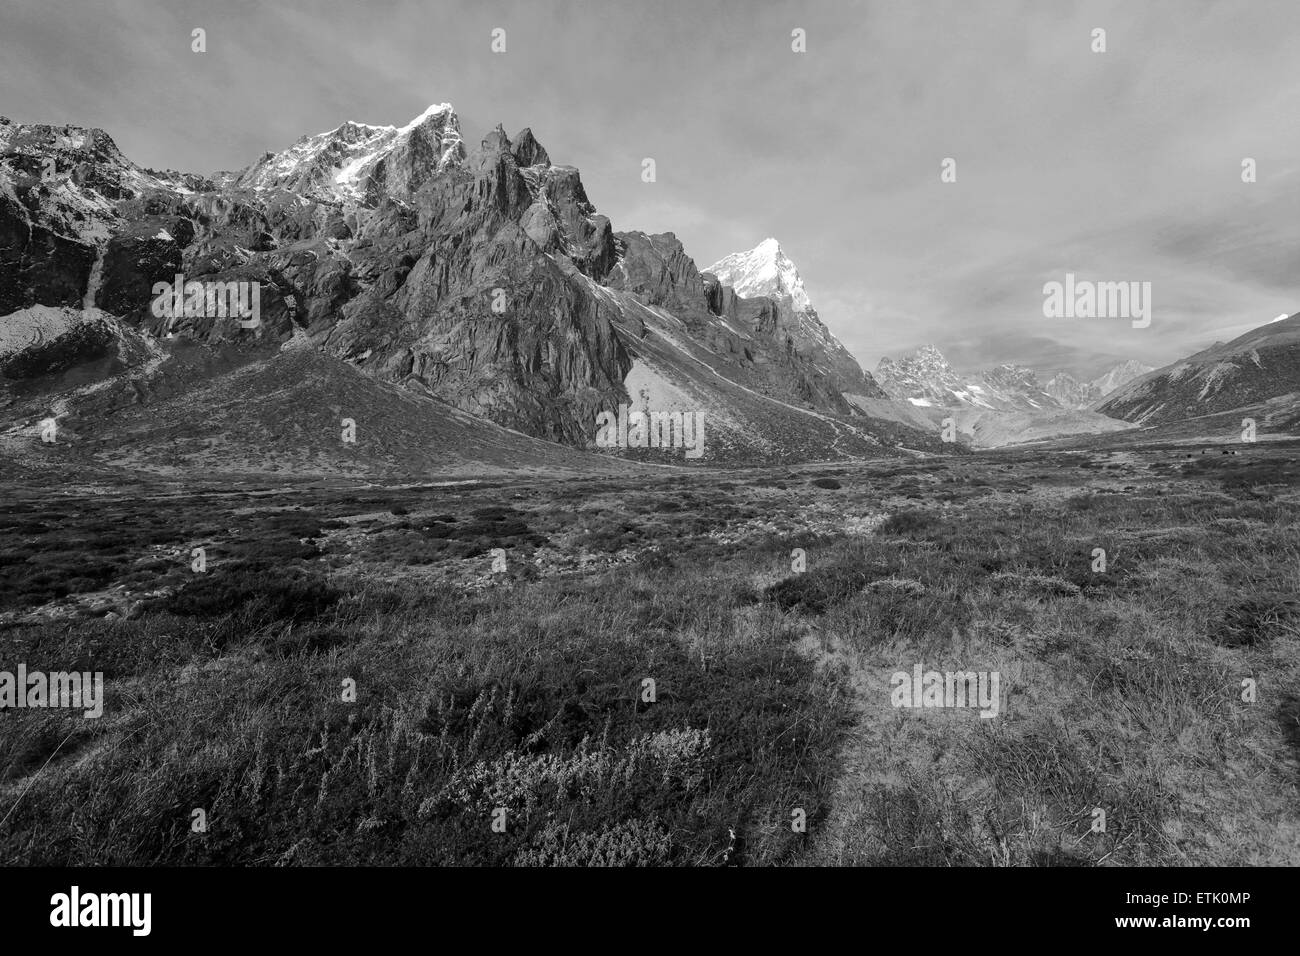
[[357, 162], [279, 417], [1260, 365], [766, 271], [746, 417], [485, 279]]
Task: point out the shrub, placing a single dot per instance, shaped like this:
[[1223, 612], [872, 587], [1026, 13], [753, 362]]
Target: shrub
[[268, 595], [907, 523], [817, 591]]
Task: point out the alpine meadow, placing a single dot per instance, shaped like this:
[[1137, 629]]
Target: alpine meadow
[[726, 434]]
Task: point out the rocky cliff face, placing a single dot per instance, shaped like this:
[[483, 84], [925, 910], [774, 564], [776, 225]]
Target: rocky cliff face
[[482, 277], [766, 271], [357, 162], [744, 332]]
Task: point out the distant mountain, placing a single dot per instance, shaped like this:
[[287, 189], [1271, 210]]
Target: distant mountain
[[923, 378], [926, 380], [1004, 405], [1120, 375], [483, 279], [1262, 365], [1069, 392], [767, 271]]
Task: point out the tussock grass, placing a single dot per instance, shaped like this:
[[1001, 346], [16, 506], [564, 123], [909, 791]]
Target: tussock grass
[[527, 699], [1122, 689]]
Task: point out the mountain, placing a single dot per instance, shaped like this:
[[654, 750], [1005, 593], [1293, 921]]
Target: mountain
[[358, 162], [1255, 368], [767, 271], [206, 414], [1004, 405], [1120, 375], [926, 380], [1069, 392], [483, 279]]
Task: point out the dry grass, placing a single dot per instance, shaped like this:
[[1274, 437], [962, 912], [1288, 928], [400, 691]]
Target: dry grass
[[522, 690]]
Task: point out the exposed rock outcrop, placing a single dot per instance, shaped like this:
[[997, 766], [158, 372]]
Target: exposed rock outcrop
[[484, 278], [767, 271]]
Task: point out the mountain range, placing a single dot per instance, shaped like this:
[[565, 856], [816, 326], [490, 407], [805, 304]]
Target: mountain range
[[925, 379], [483, 280], [476, 296], [1004, 405]]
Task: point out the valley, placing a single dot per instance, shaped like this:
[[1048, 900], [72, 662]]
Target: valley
[[483, 684], [444, 524]]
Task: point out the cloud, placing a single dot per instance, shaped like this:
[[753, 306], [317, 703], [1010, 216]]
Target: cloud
[[1122, 165]]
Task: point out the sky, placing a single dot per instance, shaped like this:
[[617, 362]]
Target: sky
[[1117, 166]]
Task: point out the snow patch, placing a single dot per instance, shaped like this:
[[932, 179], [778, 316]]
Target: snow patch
[[335, 164], [34, 326]]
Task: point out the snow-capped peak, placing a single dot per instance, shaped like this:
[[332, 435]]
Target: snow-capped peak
[[75, 205], [763, 270], [930, 354], [926, 378], [766, 270], [338, 164], [443, 111]]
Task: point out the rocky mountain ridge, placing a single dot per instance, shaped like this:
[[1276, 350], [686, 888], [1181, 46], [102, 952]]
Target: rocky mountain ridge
[[925, 379], [1004, 405], [482, 278], [766, 271]]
